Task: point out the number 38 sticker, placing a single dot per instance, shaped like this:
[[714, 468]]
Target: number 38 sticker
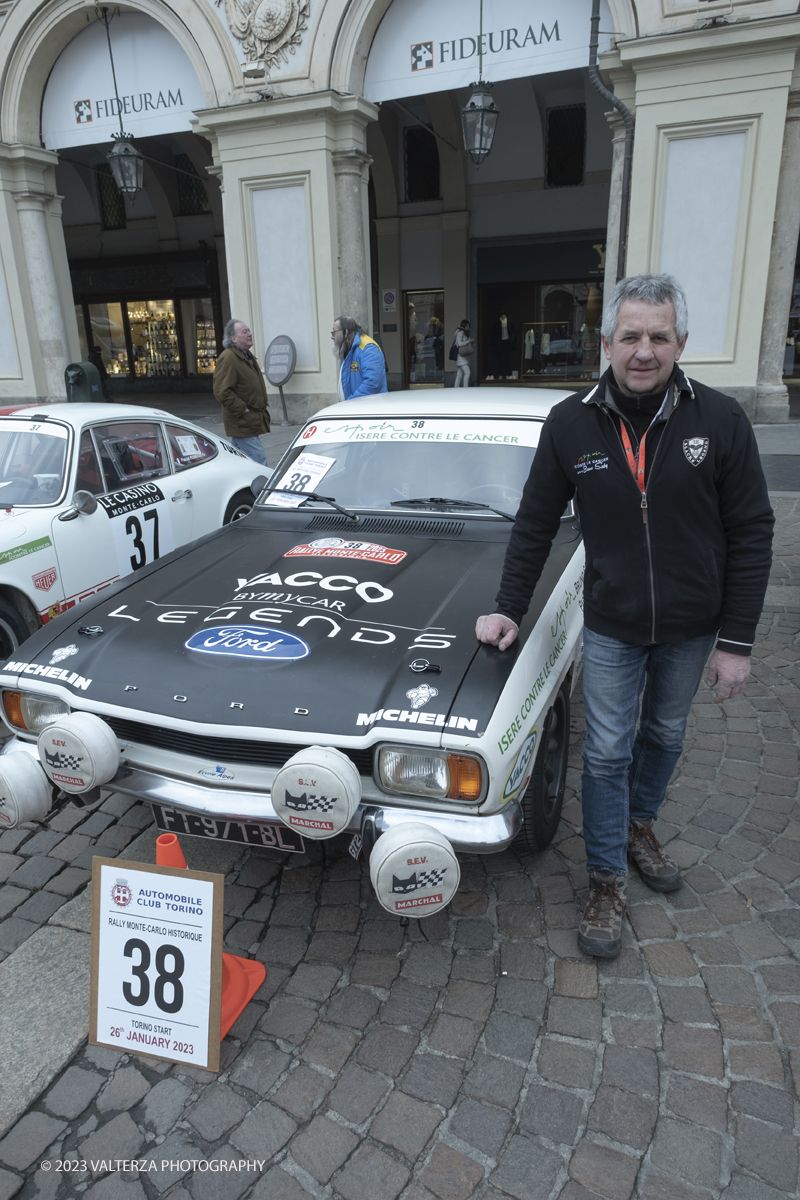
[[156, 936]]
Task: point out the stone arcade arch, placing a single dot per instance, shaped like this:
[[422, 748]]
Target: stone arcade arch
[[33, 263]]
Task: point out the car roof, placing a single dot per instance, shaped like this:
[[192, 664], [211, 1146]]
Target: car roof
[[438, 402], [79, 414]]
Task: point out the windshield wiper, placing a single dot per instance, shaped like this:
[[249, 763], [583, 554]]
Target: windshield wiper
[[315, 496], [445, 500]]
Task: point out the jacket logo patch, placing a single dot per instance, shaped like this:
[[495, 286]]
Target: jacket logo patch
[[594, 461], [695, 450]]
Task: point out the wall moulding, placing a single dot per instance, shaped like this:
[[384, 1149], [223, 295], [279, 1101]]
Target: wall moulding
[[711, 260]]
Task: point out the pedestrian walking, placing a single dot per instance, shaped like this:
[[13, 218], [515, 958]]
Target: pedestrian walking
[[240, 389], [363, 367], [95, 357], [464, 345], [677, 527]]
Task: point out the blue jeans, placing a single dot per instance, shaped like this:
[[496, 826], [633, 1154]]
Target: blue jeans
[[625, 771], [252, 447]]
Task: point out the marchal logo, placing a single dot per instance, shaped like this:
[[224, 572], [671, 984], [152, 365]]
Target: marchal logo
[[83, 112], [695, 449], [121, 894], [248, 641], [45, 579], [422, 56]]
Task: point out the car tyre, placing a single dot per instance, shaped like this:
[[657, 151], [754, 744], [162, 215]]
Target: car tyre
[[13, 630], [239, 506], [544, 796]]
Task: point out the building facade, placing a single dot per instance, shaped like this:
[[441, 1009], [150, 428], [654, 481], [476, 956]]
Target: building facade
[[305, 158]]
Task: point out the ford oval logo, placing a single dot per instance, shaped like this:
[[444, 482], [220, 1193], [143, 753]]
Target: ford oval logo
[[248, 641]]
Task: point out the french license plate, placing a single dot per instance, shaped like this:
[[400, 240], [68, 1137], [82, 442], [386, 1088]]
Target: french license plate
[[251, 833]]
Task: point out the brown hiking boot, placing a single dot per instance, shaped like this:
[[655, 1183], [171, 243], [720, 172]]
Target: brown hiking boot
[[658, 872], [600, 930]]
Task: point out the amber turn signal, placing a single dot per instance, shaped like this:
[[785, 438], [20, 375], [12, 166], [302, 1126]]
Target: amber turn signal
[[12, 704], [465, 777]]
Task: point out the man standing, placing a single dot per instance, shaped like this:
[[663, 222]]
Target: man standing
[[239, 387], [677, 528], [363, 369]]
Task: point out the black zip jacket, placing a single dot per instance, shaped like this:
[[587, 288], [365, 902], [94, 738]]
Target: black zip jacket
[[689, 557]]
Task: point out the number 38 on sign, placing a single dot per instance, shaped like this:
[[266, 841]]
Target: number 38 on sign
[[156, 978]]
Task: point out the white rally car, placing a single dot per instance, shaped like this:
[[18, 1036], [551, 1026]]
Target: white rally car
[[313, 670], [92, 492]]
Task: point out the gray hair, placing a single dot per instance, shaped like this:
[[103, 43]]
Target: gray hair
[[229, 332], [349, 327], [653, 289]]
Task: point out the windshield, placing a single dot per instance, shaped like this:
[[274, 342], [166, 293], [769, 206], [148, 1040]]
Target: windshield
[[382, 464], [32, 462]]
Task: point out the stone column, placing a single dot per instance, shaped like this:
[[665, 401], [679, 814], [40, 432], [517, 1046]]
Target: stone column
[[50, 327], [772, 397], [350, 173], [614, 206]]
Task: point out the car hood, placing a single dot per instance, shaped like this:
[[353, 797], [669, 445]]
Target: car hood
[[274, 629]]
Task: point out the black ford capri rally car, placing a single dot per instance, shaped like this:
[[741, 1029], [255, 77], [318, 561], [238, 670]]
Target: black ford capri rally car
[[312, 670]]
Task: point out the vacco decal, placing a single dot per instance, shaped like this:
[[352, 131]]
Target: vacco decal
[[519, 775]]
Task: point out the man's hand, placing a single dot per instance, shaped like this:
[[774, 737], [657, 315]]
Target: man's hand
[[499, 631], [731, 671]]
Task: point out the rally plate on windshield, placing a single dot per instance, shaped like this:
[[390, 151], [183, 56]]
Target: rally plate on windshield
[[272, 835]]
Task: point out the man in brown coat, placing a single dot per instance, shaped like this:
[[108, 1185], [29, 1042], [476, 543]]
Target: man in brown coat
[[239, 386]]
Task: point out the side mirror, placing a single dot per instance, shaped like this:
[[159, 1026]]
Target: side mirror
[[258, 485], [85, 503], [82, 502]]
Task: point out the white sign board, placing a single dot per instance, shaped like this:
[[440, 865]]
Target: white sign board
[[158, 88], [422, 47], [156, 981], [303, 476]]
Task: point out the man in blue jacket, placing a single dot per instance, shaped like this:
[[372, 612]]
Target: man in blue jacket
[[363, 370]]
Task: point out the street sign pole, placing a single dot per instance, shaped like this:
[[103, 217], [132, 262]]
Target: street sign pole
[[279, 364]]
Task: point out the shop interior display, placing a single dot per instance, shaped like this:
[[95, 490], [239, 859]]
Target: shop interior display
[[540, 332], [154, 338], [206, 346]]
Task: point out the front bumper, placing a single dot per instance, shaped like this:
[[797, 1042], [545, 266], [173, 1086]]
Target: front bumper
[[468, 833]]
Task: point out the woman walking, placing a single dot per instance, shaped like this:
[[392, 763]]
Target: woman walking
[[464, 344]]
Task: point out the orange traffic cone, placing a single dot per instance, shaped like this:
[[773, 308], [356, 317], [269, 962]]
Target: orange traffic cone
[[168, 851], [241, 977]]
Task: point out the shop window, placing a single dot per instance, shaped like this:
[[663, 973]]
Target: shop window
[[154, 339], [112, 203], [191, 191], [565, 146], [540, 333], [421, 164], [199, 335], [424, 314], [108, 333]]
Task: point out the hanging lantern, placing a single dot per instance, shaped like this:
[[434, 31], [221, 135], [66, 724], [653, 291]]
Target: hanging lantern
[[479, 121], [127, 165]]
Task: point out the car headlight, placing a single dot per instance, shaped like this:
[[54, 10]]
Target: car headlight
[[430, 773], [32, 713]]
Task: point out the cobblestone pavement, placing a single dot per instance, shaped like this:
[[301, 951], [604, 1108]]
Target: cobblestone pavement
[[475, 1054]]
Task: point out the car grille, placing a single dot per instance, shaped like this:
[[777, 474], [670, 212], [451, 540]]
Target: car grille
[[416, 527], [221, 749]]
